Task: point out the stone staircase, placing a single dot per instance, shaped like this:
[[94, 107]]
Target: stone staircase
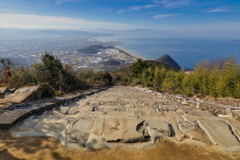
[[132, 117]]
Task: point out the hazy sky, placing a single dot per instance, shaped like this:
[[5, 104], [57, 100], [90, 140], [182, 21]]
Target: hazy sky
[[196, 17]]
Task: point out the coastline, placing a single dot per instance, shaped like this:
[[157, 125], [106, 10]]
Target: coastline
[[130, 53]]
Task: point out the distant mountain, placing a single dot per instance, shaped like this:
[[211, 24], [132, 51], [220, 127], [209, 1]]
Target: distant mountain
[[236, 40], [168, 60], [133, 32], [12, 32]]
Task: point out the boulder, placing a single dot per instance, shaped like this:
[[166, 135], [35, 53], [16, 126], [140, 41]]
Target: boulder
[[123, 130]]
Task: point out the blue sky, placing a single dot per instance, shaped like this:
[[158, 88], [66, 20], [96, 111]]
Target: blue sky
[[193, 17]]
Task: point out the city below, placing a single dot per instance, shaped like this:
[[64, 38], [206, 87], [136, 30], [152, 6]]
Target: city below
[[81, 53]]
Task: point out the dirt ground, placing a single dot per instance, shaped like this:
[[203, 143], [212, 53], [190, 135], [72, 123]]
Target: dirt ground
[[49, 148]]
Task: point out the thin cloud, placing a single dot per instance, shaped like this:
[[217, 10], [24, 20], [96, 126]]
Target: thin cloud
[[135, 8], [219, 9], [37, 21], [62, 1], [110, 9], [173, 3], [150, 6], [164, 15], [120, 11]]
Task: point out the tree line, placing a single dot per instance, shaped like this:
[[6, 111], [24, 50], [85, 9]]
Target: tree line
[[216, 78]]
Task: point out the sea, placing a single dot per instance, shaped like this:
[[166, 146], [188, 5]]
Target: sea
[[185, 51]]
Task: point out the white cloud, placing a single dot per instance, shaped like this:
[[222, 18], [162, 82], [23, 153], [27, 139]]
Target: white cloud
[[173, 3], [219, 9], [164, 15], [37, 21]]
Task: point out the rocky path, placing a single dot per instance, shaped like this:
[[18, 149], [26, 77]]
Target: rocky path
[[135, 118]]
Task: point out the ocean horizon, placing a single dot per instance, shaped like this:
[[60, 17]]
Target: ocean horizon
[[185, 51]]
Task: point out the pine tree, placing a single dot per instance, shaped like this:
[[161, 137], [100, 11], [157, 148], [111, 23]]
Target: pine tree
[[138, 67]]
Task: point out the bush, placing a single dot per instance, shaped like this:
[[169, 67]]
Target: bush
[[48, 90]]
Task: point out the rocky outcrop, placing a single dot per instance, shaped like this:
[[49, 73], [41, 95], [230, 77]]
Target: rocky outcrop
[[23, 95]]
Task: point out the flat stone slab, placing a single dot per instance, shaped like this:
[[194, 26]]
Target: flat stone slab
[[51, 126], [123, 130], [192, 130], [218, 131], [81, 129]]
